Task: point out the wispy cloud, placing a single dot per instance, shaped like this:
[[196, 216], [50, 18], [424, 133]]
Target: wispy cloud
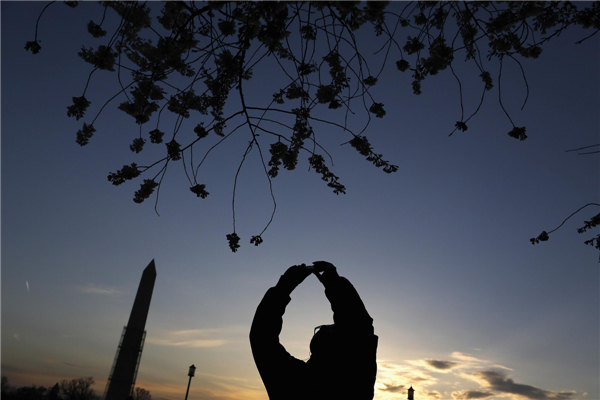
[[209, 391], [394, 379], [432, 395], [499, 381], [91, 288], [13, 369], [394, 388], [188, 343], [502, 367], [466, 357], [189, 338], [441, 366], [471, 395], [195, 332], [493, 380], [55, 362]]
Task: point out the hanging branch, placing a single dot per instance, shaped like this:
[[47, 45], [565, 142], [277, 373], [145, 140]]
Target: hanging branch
[[190, 60], [583, 148], [592, 223]]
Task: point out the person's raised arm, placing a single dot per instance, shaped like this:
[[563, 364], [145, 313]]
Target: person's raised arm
[[349, 312], [268, 319], [292, 277], [358, 358], [275, 365]]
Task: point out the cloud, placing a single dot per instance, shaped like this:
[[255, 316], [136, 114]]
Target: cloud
[[192, 332], [395, 379], [498, 380], [91, 288], [54, 362], [394, 388], [502, 367], [436, 365], [75, 365], [13, 369], [471, 395], [209, 391], [441, 365], [188, 338], [406, 373], [466, 357], [39, 374], [433, 394], [469, 361], [188, 343]]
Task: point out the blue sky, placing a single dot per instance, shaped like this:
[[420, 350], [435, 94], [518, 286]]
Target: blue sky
[[439, 251]]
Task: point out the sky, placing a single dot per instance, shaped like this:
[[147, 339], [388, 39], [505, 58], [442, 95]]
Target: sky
[[463, 304]]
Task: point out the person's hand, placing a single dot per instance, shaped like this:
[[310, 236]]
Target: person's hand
[[293, 277], [325, 271]]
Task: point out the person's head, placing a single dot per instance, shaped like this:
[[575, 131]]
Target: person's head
[[324, 341]]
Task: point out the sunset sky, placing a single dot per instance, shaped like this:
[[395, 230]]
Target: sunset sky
[[464, 306]]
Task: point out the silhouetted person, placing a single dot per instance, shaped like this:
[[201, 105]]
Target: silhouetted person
[[342, 363]]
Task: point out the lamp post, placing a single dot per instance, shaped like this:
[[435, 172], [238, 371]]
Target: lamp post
[[411, 393], [190, 374]]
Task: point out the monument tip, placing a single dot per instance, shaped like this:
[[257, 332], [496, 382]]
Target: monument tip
[[151, 268]]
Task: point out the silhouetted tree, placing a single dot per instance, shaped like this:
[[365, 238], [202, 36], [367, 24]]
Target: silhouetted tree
[[32, 392], [53, 392], [141, 394], [5, 386], [197, 56], [74, 389], [78, 389]]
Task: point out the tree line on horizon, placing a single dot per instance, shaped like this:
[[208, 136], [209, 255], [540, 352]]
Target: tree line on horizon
[[67, 389]]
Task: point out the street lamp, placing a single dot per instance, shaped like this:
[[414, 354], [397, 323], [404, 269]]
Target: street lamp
[[190, 374]]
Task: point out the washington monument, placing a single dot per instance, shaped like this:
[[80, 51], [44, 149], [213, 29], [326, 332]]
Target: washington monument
[[124, 370]]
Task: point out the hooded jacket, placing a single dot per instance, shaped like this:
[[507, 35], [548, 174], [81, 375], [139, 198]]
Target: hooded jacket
[[347, 370]]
